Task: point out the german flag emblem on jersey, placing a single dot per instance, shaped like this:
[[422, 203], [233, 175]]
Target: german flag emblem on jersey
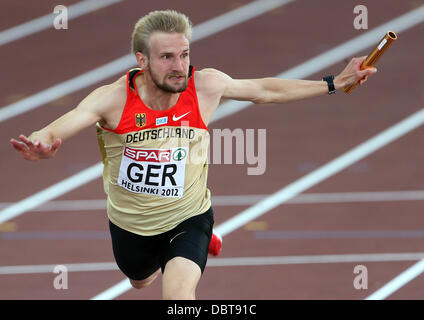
[[140, 119]]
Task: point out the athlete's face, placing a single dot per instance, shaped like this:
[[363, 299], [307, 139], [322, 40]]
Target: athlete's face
[[169, 61]]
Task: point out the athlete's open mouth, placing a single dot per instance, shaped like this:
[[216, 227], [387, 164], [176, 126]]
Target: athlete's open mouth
[[176, 77]]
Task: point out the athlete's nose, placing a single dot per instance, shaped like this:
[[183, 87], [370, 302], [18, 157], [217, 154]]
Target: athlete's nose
[[178, 65]]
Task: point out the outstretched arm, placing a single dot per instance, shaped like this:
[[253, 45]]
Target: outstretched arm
[[44, 143], [276, 90]]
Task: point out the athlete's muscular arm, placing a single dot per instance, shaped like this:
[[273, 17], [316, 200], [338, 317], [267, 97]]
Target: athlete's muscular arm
[[276, 90], [44, 143]]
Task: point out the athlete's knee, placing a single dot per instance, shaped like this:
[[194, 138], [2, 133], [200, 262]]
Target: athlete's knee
[[140, 284], [180, 279], [179, 294]]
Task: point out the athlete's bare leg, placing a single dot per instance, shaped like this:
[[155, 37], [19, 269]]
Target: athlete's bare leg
[[180, 279], [138, 284]]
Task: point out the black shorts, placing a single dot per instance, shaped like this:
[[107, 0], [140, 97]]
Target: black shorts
[[140, 256]]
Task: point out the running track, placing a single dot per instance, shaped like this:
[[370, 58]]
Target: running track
[[300, 138]]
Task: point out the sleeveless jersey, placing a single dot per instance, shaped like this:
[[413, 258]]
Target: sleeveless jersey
[[155, 163]]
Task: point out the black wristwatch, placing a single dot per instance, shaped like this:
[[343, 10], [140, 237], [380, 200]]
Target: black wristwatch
[[330, 82]]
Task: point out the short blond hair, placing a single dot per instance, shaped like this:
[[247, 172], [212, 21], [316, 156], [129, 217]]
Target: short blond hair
[[166, 21]]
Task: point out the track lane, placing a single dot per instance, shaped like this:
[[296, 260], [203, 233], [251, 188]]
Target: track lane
[[241, 172]]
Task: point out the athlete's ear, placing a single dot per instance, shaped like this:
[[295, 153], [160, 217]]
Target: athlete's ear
[[142, 60]]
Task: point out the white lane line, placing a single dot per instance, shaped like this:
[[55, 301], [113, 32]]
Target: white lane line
[[313, 259], [398, 282], [114, 291], [335, 55], [62, 89], [245, 200], [270, 234], [322, 173], [49, 268], [230, 262], [67, 205], [45, 22], [126, 62], [52, 192], [237, 16], [374, 196]]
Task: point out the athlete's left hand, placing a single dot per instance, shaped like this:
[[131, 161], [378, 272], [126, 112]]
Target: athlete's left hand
[[352, 74]]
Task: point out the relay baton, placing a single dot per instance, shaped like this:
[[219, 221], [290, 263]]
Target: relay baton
[[374, 56]]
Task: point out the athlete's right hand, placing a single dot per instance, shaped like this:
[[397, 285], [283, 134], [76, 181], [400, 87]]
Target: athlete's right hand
[[36, 150]]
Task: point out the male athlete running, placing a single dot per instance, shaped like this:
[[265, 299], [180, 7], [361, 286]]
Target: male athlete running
[[152, 131]]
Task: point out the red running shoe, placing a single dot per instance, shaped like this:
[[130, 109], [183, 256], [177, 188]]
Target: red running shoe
[[215, 244]]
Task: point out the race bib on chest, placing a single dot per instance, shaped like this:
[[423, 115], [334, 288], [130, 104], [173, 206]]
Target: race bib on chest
[[159, 172]]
